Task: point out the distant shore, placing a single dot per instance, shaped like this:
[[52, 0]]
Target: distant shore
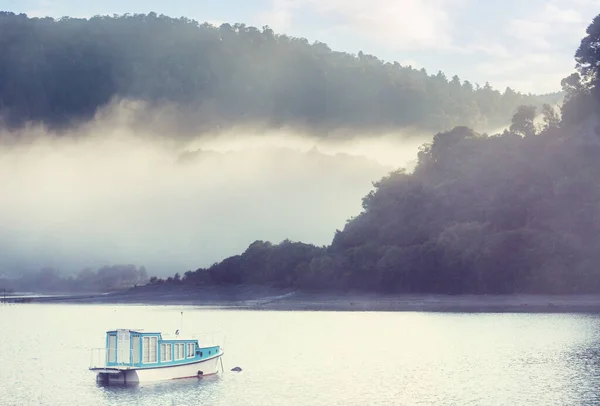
[[262, 298]]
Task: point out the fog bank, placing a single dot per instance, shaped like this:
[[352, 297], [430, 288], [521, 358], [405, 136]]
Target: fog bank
[[124, 188]]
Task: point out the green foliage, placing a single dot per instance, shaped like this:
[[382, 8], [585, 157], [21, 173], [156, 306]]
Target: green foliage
[[588, 54], [582, 90], [523, 121], [551, 117], [579, 102], [285, 264], [59, 72]]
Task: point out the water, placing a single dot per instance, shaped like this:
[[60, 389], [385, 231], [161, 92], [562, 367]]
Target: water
[[312, 358]]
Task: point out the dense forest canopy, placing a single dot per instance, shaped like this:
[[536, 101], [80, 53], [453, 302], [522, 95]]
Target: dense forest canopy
[[507, 213], [59, 72]]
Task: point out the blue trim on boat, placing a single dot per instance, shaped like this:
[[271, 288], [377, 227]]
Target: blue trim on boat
[[180, 364], [134, 368]]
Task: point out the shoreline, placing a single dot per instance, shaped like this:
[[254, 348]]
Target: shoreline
[[269, 299]]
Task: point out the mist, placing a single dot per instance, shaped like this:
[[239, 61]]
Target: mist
[[124, 188]]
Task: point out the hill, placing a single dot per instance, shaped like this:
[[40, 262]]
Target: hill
[[516, 212], [60, 72]]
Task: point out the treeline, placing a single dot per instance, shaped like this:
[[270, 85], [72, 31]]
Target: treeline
[[105, 279], [507, 213], [59, 72]]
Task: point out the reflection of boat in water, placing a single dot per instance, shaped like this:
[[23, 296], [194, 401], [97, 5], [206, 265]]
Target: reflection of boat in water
[[133, 356]]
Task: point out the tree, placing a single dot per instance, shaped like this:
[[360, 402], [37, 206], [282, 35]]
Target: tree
[[578, 103], [551, 117], [523, 121], [587, 55]]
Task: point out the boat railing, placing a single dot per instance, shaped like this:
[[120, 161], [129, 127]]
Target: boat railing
[[102, 357], [206, 339]]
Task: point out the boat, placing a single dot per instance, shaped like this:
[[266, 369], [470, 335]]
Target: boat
[[134, 356]]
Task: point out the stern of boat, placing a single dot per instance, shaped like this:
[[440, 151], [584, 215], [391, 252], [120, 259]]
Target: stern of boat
[[111, 377], [116, 373]]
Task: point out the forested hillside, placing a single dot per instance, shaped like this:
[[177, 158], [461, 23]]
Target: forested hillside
[[59, 72], [512, 212]]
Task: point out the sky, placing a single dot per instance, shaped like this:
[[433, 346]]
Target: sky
[[527, 45]]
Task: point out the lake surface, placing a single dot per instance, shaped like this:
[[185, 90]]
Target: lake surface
[[312, 358]]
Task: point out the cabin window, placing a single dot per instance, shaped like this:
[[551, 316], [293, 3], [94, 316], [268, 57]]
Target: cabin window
[[150, 349], [166, 352], [124, 347], [179, 348], [112, 348], [135, 347], [190, 350]]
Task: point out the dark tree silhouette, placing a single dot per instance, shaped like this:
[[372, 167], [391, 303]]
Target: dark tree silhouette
[[588, 54], [523, 121]]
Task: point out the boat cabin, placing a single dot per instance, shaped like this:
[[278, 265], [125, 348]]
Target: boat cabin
[[139, 349]]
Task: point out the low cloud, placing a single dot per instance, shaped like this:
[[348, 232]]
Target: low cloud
[[125, 190]]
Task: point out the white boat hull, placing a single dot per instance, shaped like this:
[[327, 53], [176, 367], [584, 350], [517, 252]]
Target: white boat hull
[[192, 370]]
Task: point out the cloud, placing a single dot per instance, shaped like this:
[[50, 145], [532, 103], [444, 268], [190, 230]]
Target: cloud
[[531, 82], [410, 62], [583, 3], [536, 72], [537, 47], [542, 29], [398, 25], [533, 33], [216, 23], [487, 49], [531, 61], [43, 8], [555, 14], [278, 17]]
